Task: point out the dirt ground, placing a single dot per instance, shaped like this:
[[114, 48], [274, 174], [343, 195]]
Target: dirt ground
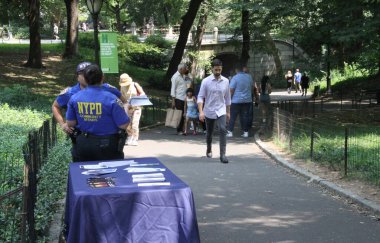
[[56, 75]]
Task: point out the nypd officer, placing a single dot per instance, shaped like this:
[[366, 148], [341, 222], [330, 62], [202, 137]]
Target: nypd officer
[[99, 115], [63, 98]]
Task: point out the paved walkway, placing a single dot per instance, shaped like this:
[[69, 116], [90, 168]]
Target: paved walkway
[[252, 199]]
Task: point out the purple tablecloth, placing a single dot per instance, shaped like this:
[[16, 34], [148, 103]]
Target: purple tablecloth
[[127, 213]]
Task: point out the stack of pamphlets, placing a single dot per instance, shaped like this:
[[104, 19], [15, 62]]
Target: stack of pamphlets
[[141, 100], [100, 182]]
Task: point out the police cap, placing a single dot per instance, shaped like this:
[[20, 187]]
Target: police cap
[[81, 66]]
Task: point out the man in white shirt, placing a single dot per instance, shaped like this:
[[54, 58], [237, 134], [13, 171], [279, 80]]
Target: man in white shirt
[[215, 95], [178, 92]]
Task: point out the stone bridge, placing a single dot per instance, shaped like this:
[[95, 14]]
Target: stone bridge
[[260, 62]]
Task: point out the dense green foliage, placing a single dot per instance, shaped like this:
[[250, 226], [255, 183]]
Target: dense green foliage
[[51, 185], [146, 55], [21, 112]]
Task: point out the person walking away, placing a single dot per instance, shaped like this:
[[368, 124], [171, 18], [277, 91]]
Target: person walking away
[[297, 80], [255, 97], [265, 89], [215, 95], [179, 85], [130, 89], [60, 103], [241, 88], [304, 84], [289, 81], [55, 31], [190, 111], [99, 115]]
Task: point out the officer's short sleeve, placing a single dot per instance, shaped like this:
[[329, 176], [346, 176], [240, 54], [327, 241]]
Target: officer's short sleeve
[[112, 90], [70, 113], [119, 115], [63, 98]]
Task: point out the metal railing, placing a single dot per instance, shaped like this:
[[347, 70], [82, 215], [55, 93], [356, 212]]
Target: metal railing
[[155, 114], [18, 191], [353, 150]]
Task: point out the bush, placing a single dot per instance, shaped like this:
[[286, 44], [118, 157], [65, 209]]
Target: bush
[[141, 54], [146, 77], [158, 41], [22, 96], [86, 39], [51, 185]]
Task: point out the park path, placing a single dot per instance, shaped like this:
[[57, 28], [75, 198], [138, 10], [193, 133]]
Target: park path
[[252, 199]]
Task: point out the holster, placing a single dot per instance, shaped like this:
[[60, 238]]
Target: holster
[[76, 132], [122, 135]]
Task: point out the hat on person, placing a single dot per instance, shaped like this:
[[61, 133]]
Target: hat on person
[[81, 66], [125, 80]]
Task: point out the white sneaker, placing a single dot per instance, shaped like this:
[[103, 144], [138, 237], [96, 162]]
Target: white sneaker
[[245, 135], [134, 142], [229, 134], [129, 140]]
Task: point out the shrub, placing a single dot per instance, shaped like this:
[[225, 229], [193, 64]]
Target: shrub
[[158, 41], [22, 96], [51, 185], [141, 54], [86, 39]]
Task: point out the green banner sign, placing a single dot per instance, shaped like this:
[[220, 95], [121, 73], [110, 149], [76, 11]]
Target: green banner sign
[[108, 52]]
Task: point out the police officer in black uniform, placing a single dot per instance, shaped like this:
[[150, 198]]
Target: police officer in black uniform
[[99, 115]]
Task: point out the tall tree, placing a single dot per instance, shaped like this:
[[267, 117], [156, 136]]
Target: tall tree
[[71, 48], [246, 35], [35, 57], [187, 22], [116, 6], [205, 10]]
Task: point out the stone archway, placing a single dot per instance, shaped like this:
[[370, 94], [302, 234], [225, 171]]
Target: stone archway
[[229, 61]]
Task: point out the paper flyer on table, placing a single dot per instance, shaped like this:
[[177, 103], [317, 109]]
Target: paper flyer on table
[[92, 167], [99, 172], [147, 175], [141, 170], [148, 179], [117, 163], [154, 184]]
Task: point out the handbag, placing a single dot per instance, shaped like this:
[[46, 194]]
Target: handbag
[[173, 117]]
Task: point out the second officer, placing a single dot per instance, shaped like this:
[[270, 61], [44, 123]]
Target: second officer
[[99, 115]]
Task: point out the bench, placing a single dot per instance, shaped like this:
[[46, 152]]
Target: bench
[[366, 94]]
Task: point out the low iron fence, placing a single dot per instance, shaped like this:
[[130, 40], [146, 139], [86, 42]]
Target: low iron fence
[[353, 150], [18, 174], [156, 113], [18, 190]]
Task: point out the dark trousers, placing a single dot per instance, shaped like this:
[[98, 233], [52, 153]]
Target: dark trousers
[[210, 123], [241, 110], [92, 148], [180, 105]]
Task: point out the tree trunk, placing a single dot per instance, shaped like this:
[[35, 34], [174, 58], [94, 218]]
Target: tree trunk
[[274, 51], [119, 27], [187, 22], [246, 36], [71, 49], [198, 40], [35, 57]]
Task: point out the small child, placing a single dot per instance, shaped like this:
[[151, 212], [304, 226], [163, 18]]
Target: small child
[[190, 111]]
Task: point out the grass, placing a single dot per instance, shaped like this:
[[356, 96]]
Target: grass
[[24, 48], [329, 147]]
